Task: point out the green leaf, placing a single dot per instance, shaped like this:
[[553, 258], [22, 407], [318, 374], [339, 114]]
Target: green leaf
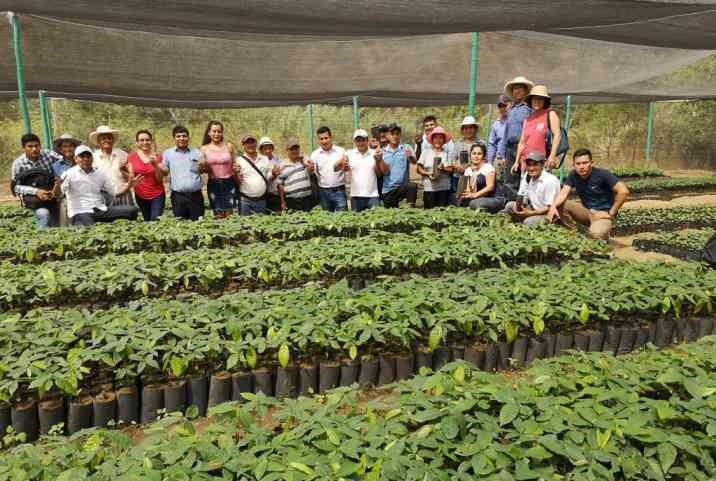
[[584, 314], [284, 355], [301, 467], [508, 413], [667, 455], [353, 352], [436, 337]]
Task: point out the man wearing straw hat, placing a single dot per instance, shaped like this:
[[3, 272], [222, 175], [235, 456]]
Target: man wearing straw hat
[[113, 162], [65, 146], [517, 88]]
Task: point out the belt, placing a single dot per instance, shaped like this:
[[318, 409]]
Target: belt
[[255, 199], [334, 189]]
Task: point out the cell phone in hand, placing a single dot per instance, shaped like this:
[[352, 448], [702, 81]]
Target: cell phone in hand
[[464, 157]]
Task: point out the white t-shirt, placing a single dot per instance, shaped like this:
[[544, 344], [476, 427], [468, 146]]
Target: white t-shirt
[[325, 161], [427, 161], [484, 170], [540, 192], [252, 184], [364, 181]]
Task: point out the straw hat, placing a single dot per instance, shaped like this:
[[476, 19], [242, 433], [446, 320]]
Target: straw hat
[[439, 130], [57, 143], [103, 129], [517, 81], [540, 91]]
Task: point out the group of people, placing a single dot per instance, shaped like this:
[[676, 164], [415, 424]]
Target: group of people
[[77, 185]]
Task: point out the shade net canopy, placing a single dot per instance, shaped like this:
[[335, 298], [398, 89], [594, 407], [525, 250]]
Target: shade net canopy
[[676, 23], [239, 69]]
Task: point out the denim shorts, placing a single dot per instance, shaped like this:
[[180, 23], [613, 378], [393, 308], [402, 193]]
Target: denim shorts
[[222, 194]]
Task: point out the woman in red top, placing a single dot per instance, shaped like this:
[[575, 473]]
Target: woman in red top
[[149, 180], [535, 128]]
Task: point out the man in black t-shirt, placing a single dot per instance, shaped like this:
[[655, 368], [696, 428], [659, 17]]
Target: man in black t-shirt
[[600, 192]]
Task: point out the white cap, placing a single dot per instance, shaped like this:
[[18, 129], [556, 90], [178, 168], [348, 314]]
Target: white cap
[[265, 141], [82, 149], [360, 133], [469, 120]]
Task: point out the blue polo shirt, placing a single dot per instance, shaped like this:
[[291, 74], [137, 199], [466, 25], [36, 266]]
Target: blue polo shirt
[[513, 128], [61, 166], [595, 191], [399, 164], [184, 169]]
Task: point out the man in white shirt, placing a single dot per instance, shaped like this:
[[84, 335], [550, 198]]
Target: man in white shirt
[[331, 181], [255, 178], [266, 149], [364, 173], [85, 187], [537, 193]]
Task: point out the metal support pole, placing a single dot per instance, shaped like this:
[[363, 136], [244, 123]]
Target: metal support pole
[[20, 71], [650, 131], [474, 61], [488, 130], [567, 125], [46, 126], [311, 128], [356, 113]]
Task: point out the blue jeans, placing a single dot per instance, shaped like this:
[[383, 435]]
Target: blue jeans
[[359, 204], [454, 181], [250, 206], [42, 217], [333, 200], [151, 209], [222, 194]]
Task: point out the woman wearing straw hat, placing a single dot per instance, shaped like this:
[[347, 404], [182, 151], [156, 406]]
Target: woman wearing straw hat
[[534, 131], [113, 162], [435, 170], [64, 145]]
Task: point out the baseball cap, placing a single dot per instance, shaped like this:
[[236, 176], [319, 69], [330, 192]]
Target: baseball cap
[[82, 149], [265, 141], [503, 100], [247, 137], [292, 143], [360, 133], [469, 120], [536, 157]]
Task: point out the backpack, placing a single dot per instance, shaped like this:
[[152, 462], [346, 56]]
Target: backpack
[[708, 255], [563, 147], [38, 178]]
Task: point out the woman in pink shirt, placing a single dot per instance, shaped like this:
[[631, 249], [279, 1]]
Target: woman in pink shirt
[[148, 178], [219, 163], [535, 128]]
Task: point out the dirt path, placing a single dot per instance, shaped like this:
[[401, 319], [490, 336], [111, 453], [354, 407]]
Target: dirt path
[[675, 202], [621, 248]]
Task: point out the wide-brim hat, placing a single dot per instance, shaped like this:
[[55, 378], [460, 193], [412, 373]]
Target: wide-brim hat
[[517, 81], [439, 131], [265, 141], [57, 143], [539, 91], [468, 121], [103, 129]]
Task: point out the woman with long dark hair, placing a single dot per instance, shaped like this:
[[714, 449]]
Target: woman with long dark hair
[[483, 192], [219, 163]]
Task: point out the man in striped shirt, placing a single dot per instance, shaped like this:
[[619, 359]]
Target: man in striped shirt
[[294, 183]]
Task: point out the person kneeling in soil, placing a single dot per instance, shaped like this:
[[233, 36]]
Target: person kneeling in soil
[[85, 186], [483, 191], [537, 193], [601, 193]]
